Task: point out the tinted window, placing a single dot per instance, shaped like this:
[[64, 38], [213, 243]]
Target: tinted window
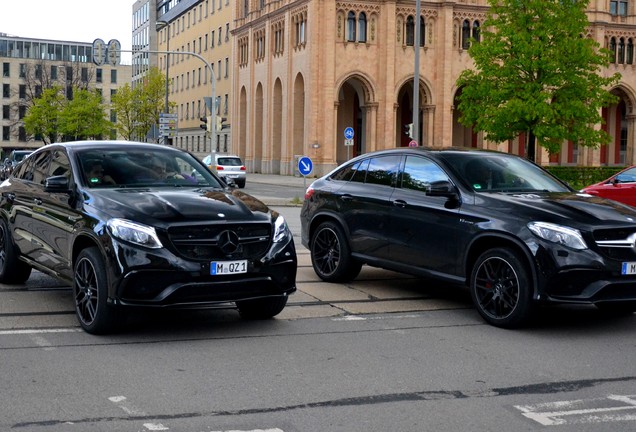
[[383, 170], [345, 173], [361, 171], [627, 176], [228, 161], [419, 173], [60, 165], [41, 167]]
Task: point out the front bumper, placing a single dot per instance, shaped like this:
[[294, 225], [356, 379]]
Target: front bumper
[[158, 278]]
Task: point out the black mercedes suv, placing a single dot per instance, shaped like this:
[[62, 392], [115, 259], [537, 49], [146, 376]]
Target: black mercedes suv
[[142, 225], [496, 222]]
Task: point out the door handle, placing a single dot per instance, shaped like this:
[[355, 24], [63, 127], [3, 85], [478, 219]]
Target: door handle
[[346, 197]]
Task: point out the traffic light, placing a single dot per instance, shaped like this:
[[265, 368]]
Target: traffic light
[[206, 123], [408, 130], [220, 123]]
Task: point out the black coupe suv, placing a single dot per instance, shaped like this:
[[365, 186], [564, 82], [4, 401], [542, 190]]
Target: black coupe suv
[[128, 225], [496, 222]]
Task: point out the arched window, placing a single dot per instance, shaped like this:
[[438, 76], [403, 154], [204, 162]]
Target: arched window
[[466, 34], [362, 27], [410, 31], [422, 31], [476, 31], [246, 8], [612, 48], [621, 51], [351, 27], [630, 51]]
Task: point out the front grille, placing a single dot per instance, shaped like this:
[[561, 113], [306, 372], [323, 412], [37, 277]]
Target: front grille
[[617, 244], [205, 242]]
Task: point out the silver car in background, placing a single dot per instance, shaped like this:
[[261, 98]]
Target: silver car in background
[[229, 167]]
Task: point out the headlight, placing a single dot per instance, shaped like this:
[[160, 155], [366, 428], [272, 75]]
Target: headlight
[[563, 235], [281, 230], [142, 235]]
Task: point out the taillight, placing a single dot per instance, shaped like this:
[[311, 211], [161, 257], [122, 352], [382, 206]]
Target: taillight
[[243, 168], [309, 193], [219, 167]]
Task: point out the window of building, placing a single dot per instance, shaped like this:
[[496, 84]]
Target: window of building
[[246, 8], [38, 90], [220, 36], [6, 133], [53, 72], [6, 112], [22, 91], [362, 27], [113, 116], [21, 111], [351, 26], [227, 32], [476, 31], [618, 7], [465, 34], [612, 48], [98, 75], [219, 69], [6, 70], [38, 71], [113, 76], [22, 136], [212, 39], [84, 74], [227, 67], [22, 70], [621, 51], [226, 105], [205, 47], [410, 31], [630, 51], [6, 92]]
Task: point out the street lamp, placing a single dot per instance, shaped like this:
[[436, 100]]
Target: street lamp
[[159, 26]]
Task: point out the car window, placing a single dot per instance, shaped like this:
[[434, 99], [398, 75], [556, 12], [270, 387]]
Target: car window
[[229, 161], [24, 171], [345, 173], [361, 172], [628, 176], [60, 165], [383, 170], [41, 167], [419, 173]]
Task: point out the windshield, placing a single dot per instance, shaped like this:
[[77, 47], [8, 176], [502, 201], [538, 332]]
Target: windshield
[[142, 168], [498, 172]]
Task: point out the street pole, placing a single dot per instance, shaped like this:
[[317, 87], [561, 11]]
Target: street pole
[[212, 77], [416, 77]]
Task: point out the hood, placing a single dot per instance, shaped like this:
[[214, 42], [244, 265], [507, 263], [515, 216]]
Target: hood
[[580, 208], [169, 205]]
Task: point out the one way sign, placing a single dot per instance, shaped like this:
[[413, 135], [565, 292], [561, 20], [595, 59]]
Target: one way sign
[[305, 166]]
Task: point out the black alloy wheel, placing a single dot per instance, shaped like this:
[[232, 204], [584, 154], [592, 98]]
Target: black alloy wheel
[[12, 270], [331, 254], [90, 291], [500, 288]]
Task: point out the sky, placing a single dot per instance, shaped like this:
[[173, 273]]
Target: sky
[[69, 20]]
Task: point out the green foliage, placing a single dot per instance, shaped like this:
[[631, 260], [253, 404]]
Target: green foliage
[[138, 108], [578, 177], [536, 72], [42, 118]]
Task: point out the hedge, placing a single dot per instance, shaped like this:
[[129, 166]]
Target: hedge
[[578, 177]]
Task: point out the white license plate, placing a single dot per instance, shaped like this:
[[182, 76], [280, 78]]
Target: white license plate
[[228, 267], [629, 268]]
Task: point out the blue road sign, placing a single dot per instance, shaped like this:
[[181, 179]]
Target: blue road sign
[[305, 166], [348, 133]]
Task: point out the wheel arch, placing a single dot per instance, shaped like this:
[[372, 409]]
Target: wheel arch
[[321, 217], [492, 240]]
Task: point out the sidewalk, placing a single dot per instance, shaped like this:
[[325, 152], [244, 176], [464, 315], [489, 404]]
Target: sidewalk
[[299, 184]]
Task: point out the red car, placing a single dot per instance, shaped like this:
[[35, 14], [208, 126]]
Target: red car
[[620, 187]]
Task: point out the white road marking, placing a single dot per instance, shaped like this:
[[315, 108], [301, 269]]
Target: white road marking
[[38, 331], [373, 318], [581, 411], [130, 409]]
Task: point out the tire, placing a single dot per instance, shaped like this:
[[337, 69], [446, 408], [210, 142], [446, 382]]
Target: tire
[[261, 308], [240, 184], [331, 254], [12, 270], [501, 288], [90, 290]]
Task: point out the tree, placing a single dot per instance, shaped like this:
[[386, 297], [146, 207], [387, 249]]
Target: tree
[[138, 109], [52, 116], [83, 117], [42, 118], [537, 73]]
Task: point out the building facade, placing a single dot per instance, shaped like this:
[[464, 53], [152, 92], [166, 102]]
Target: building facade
[[201, 27], [30, 65], [305, 70], [144, 39]]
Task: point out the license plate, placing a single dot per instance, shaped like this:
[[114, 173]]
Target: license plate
[[629, 268], [233, 176], [228, 267]]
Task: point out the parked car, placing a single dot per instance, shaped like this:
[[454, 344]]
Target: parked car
[[505, 227], [11, 161], [127, 226], [619, 187], [229, 167]]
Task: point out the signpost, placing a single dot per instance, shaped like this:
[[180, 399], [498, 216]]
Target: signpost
[[305, 167], [412, 143], [348, 134], [168, 123]]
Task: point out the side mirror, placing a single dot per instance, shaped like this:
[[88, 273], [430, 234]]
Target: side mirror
[[57, 184], [442, 188]]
